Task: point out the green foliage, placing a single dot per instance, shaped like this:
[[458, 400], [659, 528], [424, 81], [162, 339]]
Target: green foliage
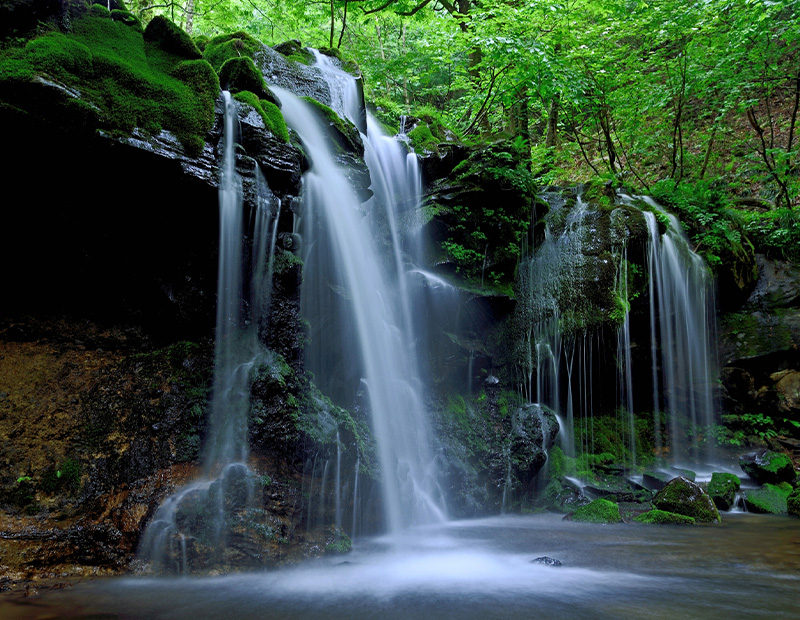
[[745, 429], [269, 112], [224, 47], [705, 209], [775, 233], [662, 517], [598, 511], [340, 544]]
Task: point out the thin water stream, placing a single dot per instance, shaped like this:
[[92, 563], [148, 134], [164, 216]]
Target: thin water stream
[[747, 567]]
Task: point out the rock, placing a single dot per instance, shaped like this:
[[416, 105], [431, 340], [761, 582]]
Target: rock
[[663, 517], [546, 561], [598, 511], [655, 480], [769, 499], [793, 503], [787, 385], [686, 473], [767, 466], [685, 497], [722, 488]]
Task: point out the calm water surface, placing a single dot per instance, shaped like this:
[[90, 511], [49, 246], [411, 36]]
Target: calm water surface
[[747, 567]]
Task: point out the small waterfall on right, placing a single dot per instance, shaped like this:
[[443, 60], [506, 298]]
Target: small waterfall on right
[[616, 319], [682, 333]]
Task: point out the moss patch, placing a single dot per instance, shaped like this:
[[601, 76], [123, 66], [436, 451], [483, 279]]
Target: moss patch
[[685, 497], [171, 38], [346, 134], [722, 488], [598, 511], [238, 74], [119, 80], [662, 517], [234, 45], [269, 112], [769, 499]]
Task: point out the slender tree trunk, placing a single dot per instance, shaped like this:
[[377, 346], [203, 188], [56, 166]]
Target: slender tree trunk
[[333, 16], [383, 53], [189, 16], [405, 79], [552, 122], [344, 24], [709, 147]]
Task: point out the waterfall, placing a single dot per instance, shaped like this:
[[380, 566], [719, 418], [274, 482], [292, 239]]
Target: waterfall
[[359, 304], [563, 361], [201, 511], [683, 326]]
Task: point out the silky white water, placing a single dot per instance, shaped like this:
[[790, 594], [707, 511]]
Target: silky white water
[[362, 301]]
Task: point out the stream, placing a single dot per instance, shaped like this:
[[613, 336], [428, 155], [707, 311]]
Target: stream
[[746, 567]]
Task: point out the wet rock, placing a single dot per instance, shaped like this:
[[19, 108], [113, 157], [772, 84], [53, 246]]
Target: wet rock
[[766, 466], [546, 561], [685, 497], [597, 511], [793, 503], [662, 517], [655, 480], [769, 499], [722, 488]]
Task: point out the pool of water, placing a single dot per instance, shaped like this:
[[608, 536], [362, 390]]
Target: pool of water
[[746, 567]]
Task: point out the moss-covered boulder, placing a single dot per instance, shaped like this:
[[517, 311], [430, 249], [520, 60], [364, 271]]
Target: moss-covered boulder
[[722, 488], [294, 50], [767, 466], [793, 503], [234, 45], [269, 112], [662, 517], [598, 511], [171, 38], [769, 499], [684, 497], [240, 74], [345, 135]]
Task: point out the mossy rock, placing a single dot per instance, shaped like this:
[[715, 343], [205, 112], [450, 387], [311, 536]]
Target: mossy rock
[[198, 74], [294, 50], [99, 10], [127, 18], [662, 517], [769, 499], [722, 488], [655, 480], [241, 74], [793, 503], [269, 112], [234, 45], [345, 135], [598, 511], [685, 497], [171, 38], [767, 466]]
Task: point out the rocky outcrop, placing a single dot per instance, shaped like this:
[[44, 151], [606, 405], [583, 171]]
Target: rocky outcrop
[[759, 346], [766, 466]]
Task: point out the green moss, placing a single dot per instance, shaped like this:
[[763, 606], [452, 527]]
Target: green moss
[[722, 488], [98, 10], [224, 47], [347, 136], [422, 139], [598, 511], [269, 112], [293, 50], [769, 499], [237, 74], [170, 38], [340, 544], [127, 18], [685, 497], [793, 503], [663, 517], [60, 56]]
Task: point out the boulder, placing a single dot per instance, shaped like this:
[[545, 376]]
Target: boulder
[[766, 466], [723, 488], [793, 503], [546, 561], [655, 480], [598, 511], [769, 499], [662, 517], [684, 497]]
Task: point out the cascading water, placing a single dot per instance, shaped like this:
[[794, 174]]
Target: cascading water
[[344, 270], [683, 326], [563, 363], [201, 511]]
